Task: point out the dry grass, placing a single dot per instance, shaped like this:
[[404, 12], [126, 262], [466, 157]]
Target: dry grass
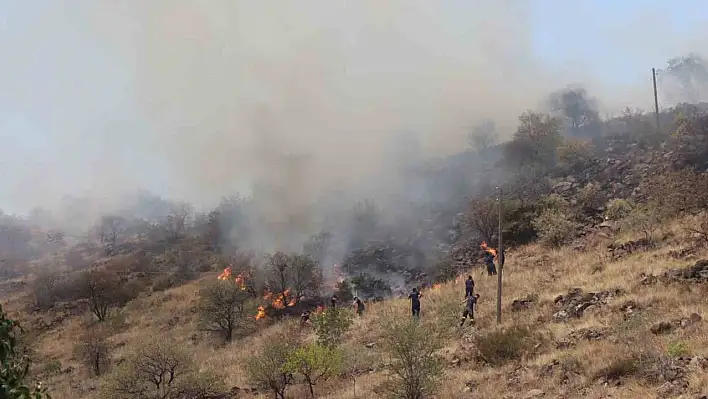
[[530, 270]]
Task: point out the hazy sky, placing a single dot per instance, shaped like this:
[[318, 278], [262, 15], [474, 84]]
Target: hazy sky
[[191, 98]]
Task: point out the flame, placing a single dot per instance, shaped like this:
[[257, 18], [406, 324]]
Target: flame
[[436, 286], [489, 250], [280, 300], [261, 313], [240, 280]]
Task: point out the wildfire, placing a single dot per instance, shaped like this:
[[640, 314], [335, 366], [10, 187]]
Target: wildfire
[[280, 300], [261, 313], [436, 286], [489, 250], [240, 280]]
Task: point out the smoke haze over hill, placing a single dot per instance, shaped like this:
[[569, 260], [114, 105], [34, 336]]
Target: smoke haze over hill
[[199, 99]]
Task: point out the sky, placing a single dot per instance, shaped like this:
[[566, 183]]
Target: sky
[[90, 102]]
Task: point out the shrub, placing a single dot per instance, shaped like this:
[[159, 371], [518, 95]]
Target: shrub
[[575, 155], [268, 369], [554, 228], [224, 308], [92, 349], [314, 362], [590, 200], [106, 292], [619, 367], [331, 324], [678, 349], [645, 219], [159, 369], [618, 209], [414, 365], [500, 346], [14, 365]]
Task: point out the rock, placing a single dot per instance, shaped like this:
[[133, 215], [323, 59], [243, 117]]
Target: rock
[[370, 345], [698, 273], [521, 304], [575, 303], [534, 393], [662, 328]]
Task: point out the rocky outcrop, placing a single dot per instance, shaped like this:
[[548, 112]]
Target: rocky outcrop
[[576, 302]]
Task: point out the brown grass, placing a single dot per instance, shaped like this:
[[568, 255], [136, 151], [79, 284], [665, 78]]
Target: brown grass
[[530, 270]]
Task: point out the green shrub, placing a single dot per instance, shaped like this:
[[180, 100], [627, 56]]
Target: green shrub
[[500, 346], [314, 362], [678, 349], [331, 324], [618, 209], [554, 228]]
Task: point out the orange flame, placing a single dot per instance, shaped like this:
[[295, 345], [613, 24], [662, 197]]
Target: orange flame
[[436, 286], [240, 280], [261, 313], [280, 300], [489, 250]]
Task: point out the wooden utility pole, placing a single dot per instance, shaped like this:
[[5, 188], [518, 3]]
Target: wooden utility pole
[[500, 261], [656, 100]]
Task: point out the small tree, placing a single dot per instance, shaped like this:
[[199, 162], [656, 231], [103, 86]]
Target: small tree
[[112, 226], [554, 227], [483, 217], [618, 209], [306, 276], [314, 362], [415, 367], [223, 308], [268, 369], [159, 369], [331, 324], [14, 365], [92, 349], [645, 219], [105, 292]]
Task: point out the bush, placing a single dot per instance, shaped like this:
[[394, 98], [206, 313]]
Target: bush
[[159, 369], [590, 200], [645, 219], [314, 362], [575, 155], [224, 307], [500, 346], [554, 228], [106, 292], [618, 209], [269, 368], [92, 349], [14, 365], [414, 365], [331, 324], [678, 349]]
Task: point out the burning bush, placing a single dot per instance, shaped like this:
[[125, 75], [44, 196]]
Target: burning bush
[[291, 277]]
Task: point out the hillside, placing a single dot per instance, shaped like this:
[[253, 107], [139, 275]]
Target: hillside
[[604, 282]]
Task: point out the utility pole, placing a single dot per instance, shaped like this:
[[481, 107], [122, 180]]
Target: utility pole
[[656, 100], [500, 260]]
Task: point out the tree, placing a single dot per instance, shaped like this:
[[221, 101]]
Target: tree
[[483, 136], [160, 369], [317, 245], [279, 276], [330, 324], [415, 368], [483, 217], [92, 349], [223, 308], [691, 73], [314, 362], [306, 276], [14, 365], [112, 226], [268, 368], [176, 221], [105, 291], [574, 105], [535, 143]]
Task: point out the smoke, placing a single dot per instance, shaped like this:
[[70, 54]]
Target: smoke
[[200, 99]]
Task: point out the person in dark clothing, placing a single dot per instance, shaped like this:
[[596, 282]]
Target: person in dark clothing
[[334, 301], [470, 302], [489, 260], [415, 302], [359, 306], [469, 286], [304, 317]]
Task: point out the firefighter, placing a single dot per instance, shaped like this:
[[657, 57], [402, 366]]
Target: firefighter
[[469, 286], [359, 306], [304, 317], [334, 301], [470, 302], [415, 302], [489, 260]]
